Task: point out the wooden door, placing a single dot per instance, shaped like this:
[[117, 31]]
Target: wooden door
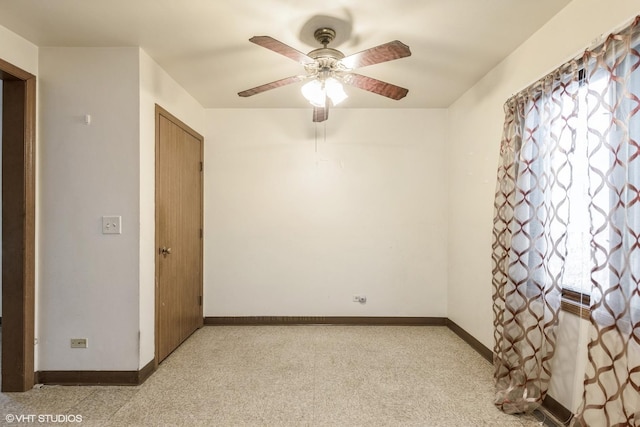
[[178, 232]]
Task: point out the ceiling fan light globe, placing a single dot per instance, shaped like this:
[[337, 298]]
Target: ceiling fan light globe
[[335, 91], [315, 93]]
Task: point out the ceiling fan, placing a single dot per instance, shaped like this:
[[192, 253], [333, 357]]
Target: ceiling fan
[[328, 68]]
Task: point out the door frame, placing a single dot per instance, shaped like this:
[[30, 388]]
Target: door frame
[[18, 227], [159, 111]]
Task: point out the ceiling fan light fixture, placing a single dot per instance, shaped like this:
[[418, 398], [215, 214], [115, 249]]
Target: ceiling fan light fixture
[[335, 91], [317, 91]]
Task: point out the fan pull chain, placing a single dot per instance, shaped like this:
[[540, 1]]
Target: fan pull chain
[[316, 135], [325, 131], [324, 136]]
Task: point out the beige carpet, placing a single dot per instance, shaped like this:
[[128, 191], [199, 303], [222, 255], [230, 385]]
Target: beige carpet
[[293, 376]]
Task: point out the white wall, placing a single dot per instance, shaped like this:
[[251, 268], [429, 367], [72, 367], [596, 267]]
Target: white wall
[[294, 232], [92, 285], [156, 87], [475, 127], [88, 281]]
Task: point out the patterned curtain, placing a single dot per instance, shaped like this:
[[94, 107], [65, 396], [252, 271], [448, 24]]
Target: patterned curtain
[[612, 381], [576, 129], [529, 235]]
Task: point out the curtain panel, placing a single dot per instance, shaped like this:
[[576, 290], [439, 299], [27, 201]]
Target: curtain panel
[[571, 144], [612, 380], [529, 236]]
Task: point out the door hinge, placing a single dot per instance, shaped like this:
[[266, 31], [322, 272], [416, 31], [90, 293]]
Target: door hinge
[[201, 166], [201, 233], [200, 300]]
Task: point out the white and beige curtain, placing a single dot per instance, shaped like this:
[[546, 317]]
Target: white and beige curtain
[[529, 247], [612, 381], [589, 109]]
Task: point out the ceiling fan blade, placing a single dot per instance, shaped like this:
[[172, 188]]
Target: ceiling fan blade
[[267, 86], [320, 114], [383, 53], [376, 86], [281, 48]]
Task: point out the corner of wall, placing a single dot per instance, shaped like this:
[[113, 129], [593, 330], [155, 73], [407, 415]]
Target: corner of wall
[[155, 87]]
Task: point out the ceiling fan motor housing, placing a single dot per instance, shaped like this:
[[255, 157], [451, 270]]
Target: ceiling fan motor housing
[[326, 58], [326, 52], [324, 36]]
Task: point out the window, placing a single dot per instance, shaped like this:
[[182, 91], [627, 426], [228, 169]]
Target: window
[[589, 169], [577, 267]]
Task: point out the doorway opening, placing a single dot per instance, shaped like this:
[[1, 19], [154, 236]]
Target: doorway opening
[[18, 227]]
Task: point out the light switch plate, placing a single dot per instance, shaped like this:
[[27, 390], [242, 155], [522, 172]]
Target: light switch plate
[[111, 225]]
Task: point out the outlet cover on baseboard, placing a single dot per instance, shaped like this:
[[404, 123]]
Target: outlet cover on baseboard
[[78, 343]]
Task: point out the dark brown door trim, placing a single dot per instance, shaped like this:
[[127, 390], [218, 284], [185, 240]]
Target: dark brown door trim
[[18, 227]]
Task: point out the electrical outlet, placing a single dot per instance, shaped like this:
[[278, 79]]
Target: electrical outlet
[[112, 224], [78, 343]]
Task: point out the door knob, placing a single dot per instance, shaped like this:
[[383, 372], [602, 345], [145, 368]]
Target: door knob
[[165, 251]]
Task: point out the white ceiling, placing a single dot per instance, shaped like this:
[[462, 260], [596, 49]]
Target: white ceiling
[[203, 44]]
